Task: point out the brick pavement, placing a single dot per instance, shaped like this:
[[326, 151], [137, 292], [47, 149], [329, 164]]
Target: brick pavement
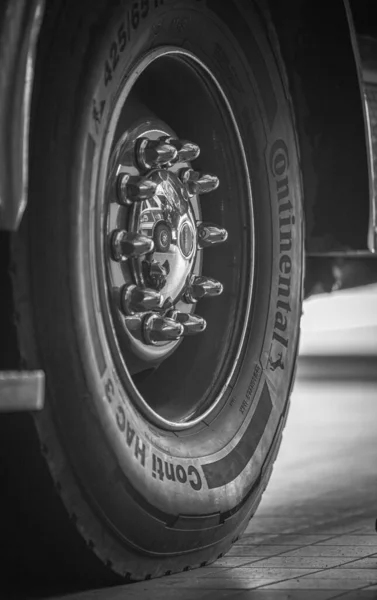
[[339, 561]]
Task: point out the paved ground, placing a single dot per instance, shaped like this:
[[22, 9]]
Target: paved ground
[[313, 537]]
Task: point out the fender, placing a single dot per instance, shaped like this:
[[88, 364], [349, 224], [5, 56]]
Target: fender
[[323, 70], [330, 66], [20, 22]]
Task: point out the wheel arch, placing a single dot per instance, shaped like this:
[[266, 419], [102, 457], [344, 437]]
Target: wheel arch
[[322, 67]]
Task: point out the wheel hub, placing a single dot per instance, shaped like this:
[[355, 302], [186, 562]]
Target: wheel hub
[[157, 238], [168, 219]]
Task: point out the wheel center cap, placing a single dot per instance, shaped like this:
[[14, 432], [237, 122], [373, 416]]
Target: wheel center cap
[[168, 219], [186, 239]]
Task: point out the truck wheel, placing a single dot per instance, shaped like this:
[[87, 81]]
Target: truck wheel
[[165, 403]]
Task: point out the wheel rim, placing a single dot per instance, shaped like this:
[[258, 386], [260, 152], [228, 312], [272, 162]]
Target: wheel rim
[[153, 243]]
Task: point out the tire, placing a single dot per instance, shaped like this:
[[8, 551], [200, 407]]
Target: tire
[[100, 491]]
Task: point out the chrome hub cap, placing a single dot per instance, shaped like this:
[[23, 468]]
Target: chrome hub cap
[[156, 238], [169, 221]]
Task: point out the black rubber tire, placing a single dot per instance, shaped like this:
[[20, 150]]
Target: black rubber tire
[[74, 509]]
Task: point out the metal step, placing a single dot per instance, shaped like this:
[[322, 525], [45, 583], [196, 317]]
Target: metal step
[[21, 391]]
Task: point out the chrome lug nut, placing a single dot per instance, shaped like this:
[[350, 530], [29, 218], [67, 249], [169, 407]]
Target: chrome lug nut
[[197, 183], [202, 287], [187, 151], [209, 235], [161, 329], [192, 324], [134, 299], [154, 153], [125, 244], [132, 188]]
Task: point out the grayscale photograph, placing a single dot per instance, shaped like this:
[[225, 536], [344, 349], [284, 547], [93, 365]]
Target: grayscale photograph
[[188, 323]]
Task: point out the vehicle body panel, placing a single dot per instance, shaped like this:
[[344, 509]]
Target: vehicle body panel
[[20, 22]]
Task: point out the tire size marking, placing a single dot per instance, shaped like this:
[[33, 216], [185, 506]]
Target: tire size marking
[[97, 113], [114, 56], [252, 385], [279, 166], [138, 12]]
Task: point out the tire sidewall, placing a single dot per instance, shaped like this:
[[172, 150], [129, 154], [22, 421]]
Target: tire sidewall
[[113, 437]]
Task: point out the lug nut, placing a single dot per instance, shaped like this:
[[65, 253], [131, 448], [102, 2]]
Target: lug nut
[[155, 153], [201, 287], [132, 188], [187, 151], [134, 299], [161, 329], [209, 235], [197, 183], [192, 324], [125, 244]]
